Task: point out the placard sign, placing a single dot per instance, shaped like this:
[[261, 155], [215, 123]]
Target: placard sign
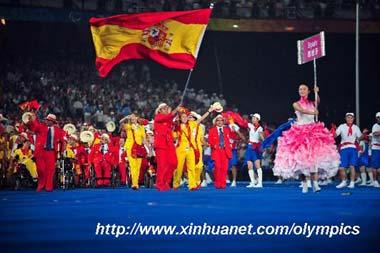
[[311, 48]]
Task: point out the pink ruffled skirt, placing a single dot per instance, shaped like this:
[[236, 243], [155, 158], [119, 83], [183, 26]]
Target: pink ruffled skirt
[[305, 149]]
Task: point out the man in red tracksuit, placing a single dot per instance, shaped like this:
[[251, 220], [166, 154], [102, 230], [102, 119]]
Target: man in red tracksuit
[[164, 146], [82, 160], [221, 152], [102, 156], [49, 143]]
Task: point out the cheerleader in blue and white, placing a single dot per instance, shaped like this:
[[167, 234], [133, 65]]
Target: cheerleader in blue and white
[[350, 136], [375, 148], [253, 154], [363, 160], [307, 148]]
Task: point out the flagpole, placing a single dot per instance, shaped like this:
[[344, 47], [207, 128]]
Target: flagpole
[[196, 55], [186, 85], [357, 88], [315, 87]]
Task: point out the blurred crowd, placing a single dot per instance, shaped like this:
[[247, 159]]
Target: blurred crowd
[[288, 9], [74, 93]]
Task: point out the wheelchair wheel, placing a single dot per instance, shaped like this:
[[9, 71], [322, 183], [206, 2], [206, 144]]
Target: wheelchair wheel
[[152, 181], [115, 178], [146, 180], [92, 180]]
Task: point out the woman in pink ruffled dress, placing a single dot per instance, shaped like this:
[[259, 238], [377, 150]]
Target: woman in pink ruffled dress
[[307, 149]]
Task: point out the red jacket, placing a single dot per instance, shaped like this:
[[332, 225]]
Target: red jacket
[[41, 131], [114, 139], [81, 154], [163, 125], [96, 155], [120, 155], [213, 140]]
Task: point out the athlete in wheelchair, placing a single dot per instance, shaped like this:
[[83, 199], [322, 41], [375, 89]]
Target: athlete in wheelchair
[[23, 166]]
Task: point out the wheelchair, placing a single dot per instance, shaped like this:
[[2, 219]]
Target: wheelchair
[[65, 174], [3, 174], [150, 174], [115, 177], [22, 178], [91, 182]]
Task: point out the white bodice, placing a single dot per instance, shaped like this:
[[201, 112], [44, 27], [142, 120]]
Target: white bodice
[[302, 118]]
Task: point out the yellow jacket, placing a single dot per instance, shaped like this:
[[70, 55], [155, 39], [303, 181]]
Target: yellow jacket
[[138, 132], [188, 131], [22, 157], [69, 152]]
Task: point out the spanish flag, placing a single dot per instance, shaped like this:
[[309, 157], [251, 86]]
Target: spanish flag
[[169, 38]]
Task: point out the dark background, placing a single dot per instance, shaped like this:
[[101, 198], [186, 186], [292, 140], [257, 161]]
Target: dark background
[[259, 71]]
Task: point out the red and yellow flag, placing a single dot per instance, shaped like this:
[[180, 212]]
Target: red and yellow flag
[[169, 38], [29, 105]]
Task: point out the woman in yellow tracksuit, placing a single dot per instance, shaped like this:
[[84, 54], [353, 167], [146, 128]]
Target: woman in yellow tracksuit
[[199, 144], [24, 156], [135, 133], [188, 141]]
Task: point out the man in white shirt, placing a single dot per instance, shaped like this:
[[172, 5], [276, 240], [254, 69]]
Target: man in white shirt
[[350, 134], [375, 158]]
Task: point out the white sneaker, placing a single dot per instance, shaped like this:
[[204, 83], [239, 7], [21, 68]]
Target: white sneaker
[[228, 181], [329, 181], [305, 189], [358, 180], [251, 185], [208, 178], [258, 185], [233, 184], [370, 183], [204, 183], [316, 187], [376, 184], [342, 184], [324, 182], [364, 183], [279, 181], [351, 185], [309, 183]]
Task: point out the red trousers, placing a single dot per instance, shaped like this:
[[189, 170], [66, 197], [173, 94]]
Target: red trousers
[[166, 164], [144, 167], [123, 173], [46, 168], [221, 168], [103, 173]]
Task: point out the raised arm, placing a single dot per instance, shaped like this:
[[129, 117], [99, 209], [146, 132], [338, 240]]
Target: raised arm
[[205, 115]]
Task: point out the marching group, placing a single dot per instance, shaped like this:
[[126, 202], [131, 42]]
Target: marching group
[[176, 147]]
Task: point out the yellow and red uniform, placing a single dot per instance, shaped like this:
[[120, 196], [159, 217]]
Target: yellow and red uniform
[[186, 136], [199, 165], [135, 133], [24, 156]]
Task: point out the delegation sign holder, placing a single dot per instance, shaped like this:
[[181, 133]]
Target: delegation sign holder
[[310, 49]]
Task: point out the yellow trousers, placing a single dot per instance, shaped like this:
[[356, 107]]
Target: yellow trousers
[[199, 166], [187, 156], [31, 167], [134, 166]]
